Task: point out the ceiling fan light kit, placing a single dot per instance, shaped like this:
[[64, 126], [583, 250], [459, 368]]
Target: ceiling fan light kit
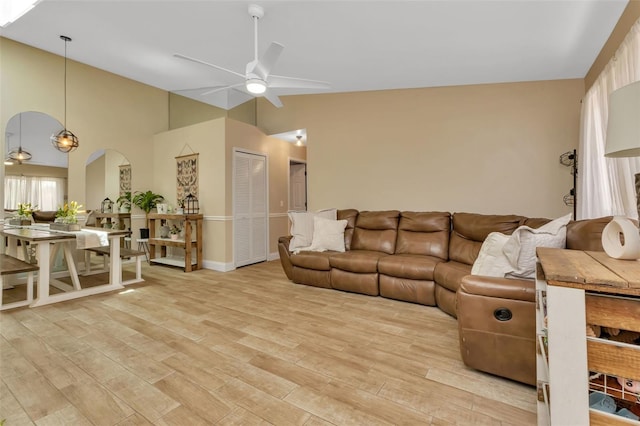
[[256, 86], [258, 78], [65, 140]]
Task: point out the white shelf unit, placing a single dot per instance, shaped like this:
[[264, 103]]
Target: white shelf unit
[[576, 296]]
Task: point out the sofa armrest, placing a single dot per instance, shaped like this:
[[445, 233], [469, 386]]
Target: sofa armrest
[[285, 240], [504, 288], [285, 255]]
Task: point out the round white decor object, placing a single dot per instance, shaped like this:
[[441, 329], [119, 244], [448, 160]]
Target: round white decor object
[[612, 243]]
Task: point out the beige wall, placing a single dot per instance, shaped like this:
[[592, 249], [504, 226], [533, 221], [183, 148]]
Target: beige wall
[[103, 109], [206, 139], [95, 183], [215, 142], [185, 111], [482, 148]]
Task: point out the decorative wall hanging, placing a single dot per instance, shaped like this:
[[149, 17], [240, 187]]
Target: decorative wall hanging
[[125, 179], [187, 176]]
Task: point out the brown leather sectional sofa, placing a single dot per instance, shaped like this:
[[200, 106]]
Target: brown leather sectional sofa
[[426, 258]]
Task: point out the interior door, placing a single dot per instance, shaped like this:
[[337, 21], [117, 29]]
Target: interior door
[[297, 186], [250, 208]]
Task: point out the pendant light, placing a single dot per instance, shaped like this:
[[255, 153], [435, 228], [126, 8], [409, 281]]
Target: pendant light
[[19, 154], [65, 140], [8, 161]]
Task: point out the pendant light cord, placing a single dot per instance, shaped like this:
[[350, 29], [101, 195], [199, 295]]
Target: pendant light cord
[[66, 40]]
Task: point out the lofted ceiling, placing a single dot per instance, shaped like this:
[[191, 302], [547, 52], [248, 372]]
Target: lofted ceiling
[[353, 45]]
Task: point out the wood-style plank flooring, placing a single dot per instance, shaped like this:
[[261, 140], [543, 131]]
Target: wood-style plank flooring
[[246, 347]]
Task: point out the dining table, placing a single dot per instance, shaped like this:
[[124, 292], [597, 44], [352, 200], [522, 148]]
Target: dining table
[[49, 242]]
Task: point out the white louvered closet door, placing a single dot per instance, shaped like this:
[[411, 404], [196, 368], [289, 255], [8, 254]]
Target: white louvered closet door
[[250, 208]]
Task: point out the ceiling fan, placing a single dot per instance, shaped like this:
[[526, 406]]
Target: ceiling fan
[[258, 80]]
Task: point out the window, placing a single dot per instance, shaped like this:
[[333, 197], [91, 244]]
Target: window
[[47, 193]]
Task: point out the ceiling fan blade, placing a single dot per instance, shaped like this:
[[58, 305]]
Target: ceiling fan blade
[[273, 99], [281, 82], [267, 61], [198, 61], [219, 89]]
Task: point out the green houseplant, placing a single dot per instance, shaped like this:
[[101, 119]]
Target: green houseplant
[[124, 202], [146, 201]]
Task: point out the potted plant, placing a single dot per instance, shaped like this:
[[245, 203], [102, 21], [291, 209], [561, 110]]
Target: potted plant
[[67, 217], [23, 215], [174, 232], [146, 201], [124, 202]]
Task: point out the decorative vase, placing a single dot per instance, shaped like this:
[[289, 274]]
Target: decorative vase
[[164, 231], [174, 236]]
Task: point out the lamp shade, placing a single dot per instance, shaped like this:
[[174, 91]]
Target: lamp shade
[[623, 129]]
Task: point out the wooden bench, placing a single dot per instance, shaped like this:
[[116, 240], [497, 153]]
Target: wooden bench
[[125, 253], [9, 265]]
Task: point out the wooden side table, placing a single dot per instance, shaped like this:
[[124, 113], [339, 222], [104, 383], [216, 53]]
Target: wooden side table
[[583, 288]]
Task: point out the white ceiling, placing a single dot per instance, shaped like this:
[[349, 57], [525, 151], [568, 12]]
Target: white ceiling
[[354, 45]]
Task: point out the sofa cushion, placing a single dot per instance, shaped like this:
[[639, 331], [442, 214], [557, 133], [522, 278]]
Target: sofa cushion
[[376, 231], [586, 234], [408, 290], [425, 233], [312, 260], [360, 261], [471, 229], [412, 266], [302, 227], [350, 215], [449, 274], [328, 234], [520, 249]]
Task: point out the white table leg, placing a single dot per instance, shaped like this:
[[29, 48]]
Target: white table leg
[[71, 265], [43, 274], [115, 270]]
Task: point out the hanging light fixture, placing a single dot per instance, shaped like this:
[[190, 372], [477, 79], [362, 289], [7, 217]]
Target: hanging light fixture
[[8, 161], [299, 138], [19, 154], [65, 140]]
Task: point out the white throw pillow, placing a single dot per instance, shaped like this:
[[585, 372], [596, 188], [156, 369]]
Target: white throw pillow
[[302, 227], [328, 234], [521, 247], [491, 261]]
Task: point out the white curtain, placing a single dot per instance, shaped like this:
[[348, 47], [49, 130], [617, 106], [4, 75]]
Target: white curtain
[[45, 192], [606, 186]]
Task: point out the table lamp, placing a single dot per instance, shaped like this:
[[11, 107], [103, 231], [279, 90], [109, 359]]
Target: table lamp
[[623, 140]]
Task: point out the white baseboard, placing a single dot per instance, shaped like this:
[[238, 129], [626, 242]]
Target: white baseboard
[[218, 266], [274, 256]]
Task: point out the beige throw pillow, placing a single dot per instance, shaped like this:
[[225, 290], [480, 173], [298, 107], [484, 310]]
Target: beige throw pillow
[[328, 234], [491, 261], [521, 247], [302, 227]]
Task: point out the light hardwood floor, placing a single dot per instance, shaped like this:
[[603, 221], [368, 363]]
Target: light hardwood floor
[[244, 347]]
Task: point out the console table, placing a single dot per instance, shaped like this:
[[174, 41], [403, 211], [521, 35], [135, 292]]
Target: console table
[[191, 242], [113, 219], [575, 288]]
